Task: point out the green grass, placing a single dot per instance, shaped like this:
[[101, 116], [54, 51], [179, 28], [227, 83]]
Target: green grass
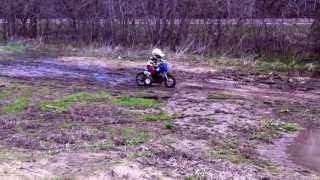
[[104, 145], [62, 104], [162, 116], [15, 47], [4, 93], [233, 156], [17, 106], [229, 151], [144, 153], [266, 67], [280, 126], [271, 129], [271, 124], [285, 64], [133, 101], [138, 138], [132, 136], [290, 127], [59, 178], [266, 136], [168, 125]]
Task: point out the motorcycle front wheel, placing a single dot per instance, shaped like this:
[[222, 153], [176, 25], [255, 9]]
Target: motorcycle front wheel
[[170, 81]]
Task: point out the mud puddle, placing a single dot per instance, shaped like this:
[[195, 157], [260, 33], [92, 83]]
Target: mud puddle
[[55, 70], [305, 149]]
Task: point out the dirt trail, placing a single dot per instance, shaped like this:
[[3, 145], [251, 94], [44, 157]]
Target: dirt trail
[[211, 108]]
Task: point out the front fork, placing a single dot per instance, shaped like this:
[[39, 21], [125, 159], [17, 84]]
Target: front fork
[[165, 76]]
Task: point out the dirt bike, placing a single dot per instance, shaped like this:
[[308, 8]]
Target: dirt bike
[[162, 75]]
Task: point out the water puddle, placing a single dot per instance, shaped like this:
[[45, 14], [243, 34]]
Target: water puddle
[[55, 70], [305, 150]]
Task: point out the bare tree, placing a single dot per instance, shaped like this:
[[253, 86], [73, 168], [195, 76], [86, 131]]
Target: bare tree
[[206, 26], [315, 29]]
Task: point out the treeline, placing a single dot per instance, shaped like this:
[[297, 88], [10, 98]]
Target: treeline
[[203, 26]]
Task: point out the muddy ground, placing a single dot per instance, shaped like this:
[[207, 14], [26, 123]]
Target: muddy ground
[[72, 118]]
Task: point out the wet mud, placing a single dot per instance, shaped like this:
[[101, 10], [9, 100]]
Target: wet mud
[[55, 70], [304, 151], [210, 109]]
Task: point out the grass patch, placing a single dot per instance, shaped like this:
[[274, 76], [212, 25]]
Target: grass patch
[[264, 136], [133, 101], [162, 116], [290, 127], [4, 93], [232, 156], [59, 178], [104, 145], [144, 153], [132, 136], [229, 151], [271, 129], [15, 47], [280, 126], [14, 90], [266, 67], [285, 64], [138, 138], [168, 125], [17, 106], [64, 103]]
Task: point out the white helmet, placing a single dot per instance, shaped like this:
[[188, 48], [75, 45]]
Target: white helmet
[[158, 52]]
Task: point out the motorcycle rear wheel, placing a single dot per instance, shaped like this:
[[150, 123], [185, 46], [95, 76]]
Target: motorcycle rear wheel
[[170, 81]]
